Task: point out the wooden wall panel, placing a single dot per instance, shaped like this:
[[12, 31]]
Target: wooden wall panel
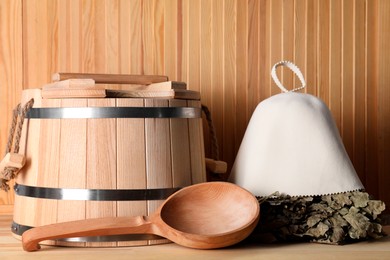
[[224, 49], [383, 102], [11, 81]]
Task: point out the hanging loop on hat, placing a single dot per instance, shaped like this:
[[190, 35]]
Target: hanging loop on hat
[[292, 67]]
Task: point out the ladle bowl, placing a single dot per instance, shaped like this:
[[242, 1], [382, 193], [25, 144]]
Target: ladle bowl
[[203, 216]]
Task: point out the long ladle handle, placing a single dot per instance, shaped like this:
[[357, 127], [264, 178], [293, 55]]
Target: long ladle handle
[[85, 228]]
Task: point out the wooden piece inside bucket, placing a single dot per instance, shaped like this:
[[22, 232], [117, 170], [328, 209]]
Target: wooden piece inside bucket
[[80, 168]]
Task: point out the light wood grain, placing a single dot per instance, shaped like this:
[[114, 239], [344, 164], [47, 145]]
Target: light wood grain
[[347, 130], [241, 91], [253, 51], [71, 83], [73, 165], [171, 22], [335, 40], [288, 37], [158, 154], [198, 166], [101, 162], [275, 49], [180, 148], [360, 107], [48, 164], [230, 75], [96, 92], [131, 162], [111, 78], [323, 84], [311, 46], [11, 67], [205, 61], [300, 37], [194, 27], [371, 84], [217, 70], [383, 100]]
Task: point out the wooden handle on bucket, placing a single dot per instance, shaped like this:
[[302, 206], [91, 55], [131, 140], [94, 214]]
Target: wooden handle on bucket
[[112, 78], [216, 166]]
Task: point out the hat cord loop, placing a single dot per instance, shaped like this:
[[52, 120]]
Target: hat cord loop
[[292, 67]]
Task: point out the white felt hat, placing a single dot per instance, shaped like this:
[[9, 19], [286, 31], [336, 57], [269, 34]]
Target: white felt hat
[[292, 145]]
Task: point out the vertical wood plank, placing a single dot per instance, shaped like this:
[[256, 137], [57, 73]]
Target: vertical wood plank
[[198, 165], [276, 39], [125, 15], [87, 39], [206, 89], [101, 162], [348, 95], [148, 21], [48, 163], [52, 40], [229, 100], [136, 40], [112, 42], [194, 45], [183, 41], [300, 38], [11, 67], [323, 58], [288, 41], [253, 55], [217, 69], [372, 56], [35, 43], [72, 165], [170, 38], [153, 23], [131, 162], [241, 91], [159, 37], [360, 105], [383, 100], [264, 54], [76, 37], [100, 21], [311, 47], [335, 62], [64, 29], [180, 148], [158, 153]]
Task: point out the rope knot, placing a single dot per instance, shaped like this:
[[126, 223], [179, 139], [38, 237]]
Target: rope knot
[[7, 172]]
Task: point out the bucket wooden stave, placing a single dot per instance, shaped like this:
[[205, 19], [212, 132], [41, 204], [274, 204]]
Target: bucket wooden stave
[[105, 154]]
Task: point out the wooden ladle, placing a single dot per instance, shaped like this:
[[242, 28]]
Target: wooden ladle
[[204, 216]]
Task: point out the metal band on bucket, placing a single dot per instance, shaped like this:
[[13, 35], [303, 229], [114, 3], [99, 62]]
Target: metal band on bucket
[[114, 112], [93, 194], [19, 229]]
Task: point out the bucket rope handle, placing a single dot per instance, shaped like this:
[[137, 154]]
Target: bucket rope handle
[[213, 134], [214, 166], [292, 67], [10, 168]]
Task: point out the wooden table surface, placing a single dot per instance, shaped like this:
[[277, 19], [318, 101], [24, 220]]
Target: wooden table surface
[[11, 248]]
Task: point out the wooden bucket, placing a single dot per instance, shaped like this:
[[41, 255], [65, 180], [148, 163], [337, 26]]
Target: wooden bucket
[[102, 163]]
